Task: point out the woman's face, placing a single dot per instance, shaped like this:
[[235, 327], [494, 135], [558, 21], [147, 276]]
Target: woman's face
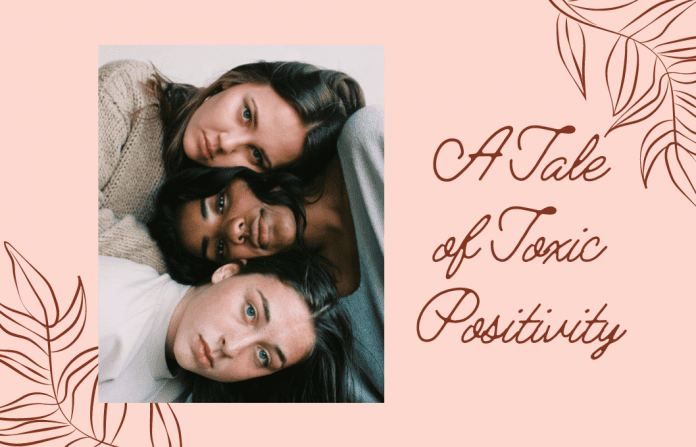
[[243, 327], [245, 125], [234, 224]]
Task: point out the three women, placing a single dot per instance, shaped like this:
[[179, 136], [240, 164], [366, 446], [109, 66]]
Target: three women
[[235, 120]]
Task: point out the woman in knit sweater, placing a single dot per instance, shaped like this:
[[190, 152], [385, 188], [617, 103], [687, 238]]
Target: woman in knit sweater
[[265, 116], [132, 136]]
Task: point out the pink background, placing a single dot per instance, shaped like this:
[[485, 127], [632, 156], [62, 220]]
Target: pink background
[[451, 72]]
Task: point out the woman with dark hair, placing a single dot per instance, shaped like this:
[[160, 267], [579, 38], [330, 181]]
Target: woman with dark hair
[[270, 331], [205, 222], [321, 99], [265, 116], [132, 134], [206, 217], [267, 208]]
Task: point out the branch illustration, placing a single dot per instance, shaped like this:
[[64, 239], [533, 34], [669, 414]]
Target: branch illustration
[[644, 78], [63, 402]]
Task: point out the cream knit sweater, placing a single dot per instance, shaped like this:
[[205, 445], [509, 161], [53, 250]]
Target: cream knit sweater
[[130, 162]]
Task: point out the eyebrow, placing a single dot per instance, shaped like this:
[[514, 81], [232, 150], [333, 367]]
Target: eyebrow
[[266, 310], [204, 247], [206, 240], [204, 210], [267, 317], [255, 120], [283, 360]]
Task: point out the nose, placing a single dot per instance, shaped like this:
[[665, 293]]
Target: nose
[[233, 344], [231, 140], [238, 230]]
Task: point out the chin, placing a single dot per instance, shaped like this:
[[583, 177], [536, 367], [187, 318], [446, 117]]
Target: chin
[[184, 356], [289, 230]]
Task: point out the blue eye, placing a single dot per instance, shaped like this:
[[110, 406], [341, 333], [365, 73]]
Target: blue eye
[[263, 356], [250, 311], [257, 156], [246, 114]]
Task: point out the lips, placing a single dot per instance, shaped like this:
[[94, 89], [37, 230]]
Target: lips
[[206, 149], [263, 232], [203, 353], [260, 231]]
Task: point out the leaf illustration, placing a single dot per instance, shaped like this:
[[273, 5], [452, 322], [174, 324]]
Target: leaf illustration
[[599, 5], [31, 287], [63, 406], [638, 88], [647, 105], [14, 324], [653, 23], [655, 142], [106, 421], [565, 8], [622, 72], [74, 375], [685, 107], [70, 326], [37, 435], [163, 423], [571, 47], [680, 49], [31, 427], [683, 72], [24, 366], [681, 165]]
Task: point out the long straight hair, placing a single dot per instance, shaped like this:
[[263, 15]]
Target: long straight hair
[[325, 374], [323, 99]]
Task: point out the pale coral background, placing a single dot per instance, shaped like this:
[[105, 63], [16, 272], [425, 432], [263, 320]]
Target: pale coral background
[[451, 72]]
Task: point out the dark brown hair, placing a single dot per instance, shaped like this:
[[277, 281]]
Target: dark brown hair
[[326, 375], [323, 99], [199, 182]]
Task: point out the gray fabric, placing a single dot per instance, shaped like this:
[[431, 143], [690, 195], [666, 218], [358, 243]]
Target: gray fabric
[[361, 149]]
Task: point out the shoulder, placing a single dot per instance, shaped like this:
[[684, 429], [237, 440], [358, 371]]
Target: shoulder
[[361, 143], [124, 82], [367, 122], [130, 278], [128, 289], [125, 68], [124, 273], [361, 148]]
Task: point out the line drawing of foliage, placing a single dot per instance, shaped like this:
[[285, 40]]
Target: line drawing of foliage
[[571, 46], [48, 413], [644, 77]]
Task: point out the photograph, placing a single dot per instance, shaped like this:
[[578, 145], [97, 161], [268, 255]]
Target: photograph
[[241, 224]]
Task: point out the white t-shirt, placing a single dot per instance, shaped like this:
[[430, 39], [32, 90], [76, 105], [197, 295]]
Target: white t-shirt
[[135, 307]]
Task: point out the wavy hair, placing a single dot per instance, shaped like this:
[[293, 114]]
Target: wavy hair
[[323, 99], [275, 188], [325, 374]]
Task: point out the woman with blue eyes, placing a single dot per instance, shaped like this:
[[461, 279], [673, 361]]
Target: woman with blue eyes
[[149, 125], [265, 116], [270, 332], [199, 210]]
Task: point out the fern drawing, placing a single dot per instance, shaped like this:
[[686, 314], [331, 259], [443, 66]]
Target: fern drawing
[[646, 73], [61, 405]]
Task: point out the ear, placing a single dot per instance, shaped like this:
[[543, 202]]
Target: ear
[[228, 270]]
